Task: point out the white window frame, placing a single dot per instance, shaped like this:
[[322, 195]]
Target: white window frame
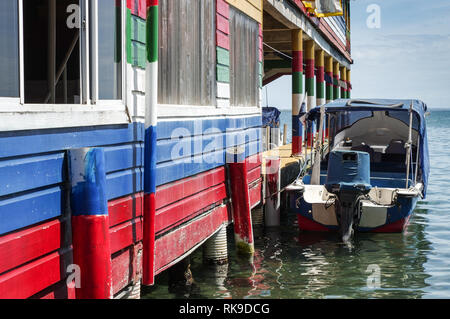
[[15, 114]]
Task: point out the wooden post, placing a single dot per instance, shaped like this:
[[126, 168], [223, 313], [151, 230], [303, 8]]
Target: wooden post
[[349, 85], [344, 79], [336, 80], [243, 230], [90, 223], [285, 134]]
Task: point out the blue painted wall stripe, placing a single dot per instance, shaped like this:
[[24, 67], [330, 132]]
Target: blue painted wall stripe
[[29, 209]]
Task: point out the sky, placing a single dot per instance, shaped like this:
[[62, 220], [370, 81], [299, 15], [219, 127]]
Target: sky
[[407, 56]]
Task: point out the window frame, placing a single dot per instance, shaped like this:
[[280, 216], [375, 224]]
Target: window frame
[[90, 111]]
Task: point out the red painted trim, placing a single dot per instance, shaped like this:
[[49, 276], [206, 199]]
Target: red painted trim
[[310, 225], [92, 252], [222, 40], [126, 235], [185, 209], [20, 247], [222, 24], [396, 227], [297, 61], [253, 161], [254, 174], [241, 201], [223, 8], [309, 70], [126, 268], [255, 194], [28, 280], [184, 188], [320, 77], [176, 243], [142, 9], [59, 290], [148, 257], [125, 209], [152, 3], [130, 5], [297, 142]]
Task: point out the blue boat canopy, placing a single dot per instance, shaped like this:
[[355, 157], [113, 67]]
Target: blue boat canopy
[[418, 107]]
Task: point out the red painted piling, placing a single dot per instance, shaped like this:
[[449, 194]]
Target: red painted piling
[[238, 179], [90, 223]]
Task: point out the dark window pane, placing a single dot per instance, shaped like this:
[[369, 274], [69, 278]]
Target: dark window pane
[[9, 49], [50, 44], [109, 50]]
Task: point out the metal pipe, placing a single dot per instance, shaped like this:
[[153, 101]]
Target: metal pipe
[[408, 145], [417, 160]]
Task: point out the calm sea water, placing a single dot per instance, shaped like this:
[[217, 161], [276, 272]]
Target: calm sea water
[[290, 264]]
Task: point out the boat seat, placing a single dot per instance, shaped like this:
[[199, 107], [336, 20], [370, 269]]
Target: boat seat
[[364, 148], [395, 152]]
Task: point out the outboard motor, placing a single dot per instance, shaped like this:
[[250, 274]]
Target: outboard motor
[[349, 179]]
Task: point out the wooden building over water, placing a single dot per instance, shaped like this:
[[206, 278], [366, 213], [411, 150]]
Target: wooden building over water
[[130, 131]]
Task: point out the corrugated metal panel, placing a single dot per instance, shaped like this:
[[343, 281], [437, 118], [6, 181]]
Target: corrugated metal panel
[[244, 48], [187, 52]]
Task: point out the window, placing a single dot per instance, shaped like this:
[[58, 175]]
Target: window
[[187, 52], [109, 50], [48, 54], [244, 47], [9, 49], [51, 53]]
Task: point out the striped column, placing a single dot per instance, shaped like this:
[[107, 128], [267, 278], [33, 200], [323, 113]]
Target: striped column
[[151, 102], [320, 77], [335, 80], [329, 73], [349, 85], [329, 88], [297, 91], [90, 223], [344, 80], [320, 84], [309, 86]]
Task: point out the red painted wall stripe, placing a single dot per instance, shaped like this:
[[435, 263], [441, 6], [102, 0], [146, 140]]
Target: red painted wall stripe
[[254, 174], [180, 211], [253, 161], [222, 24], [126, 268], [255, 194], [59, 290], [34, 277], [223, 8], [125, 235], [20, 247], [222, 40], [180, 241], [125, 209], [174, 192]]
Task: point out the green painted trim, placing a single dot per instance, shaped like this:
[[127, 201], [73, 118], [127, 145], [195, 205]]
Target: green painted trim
[[309, 86], [320, 90], [223, 56], [152, 34], [128, 37], [223, 73], [297, 83], [329, 92]]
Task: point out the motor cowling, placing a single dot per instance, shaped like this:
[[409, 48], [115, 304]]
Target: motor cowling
[[348, 178]]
